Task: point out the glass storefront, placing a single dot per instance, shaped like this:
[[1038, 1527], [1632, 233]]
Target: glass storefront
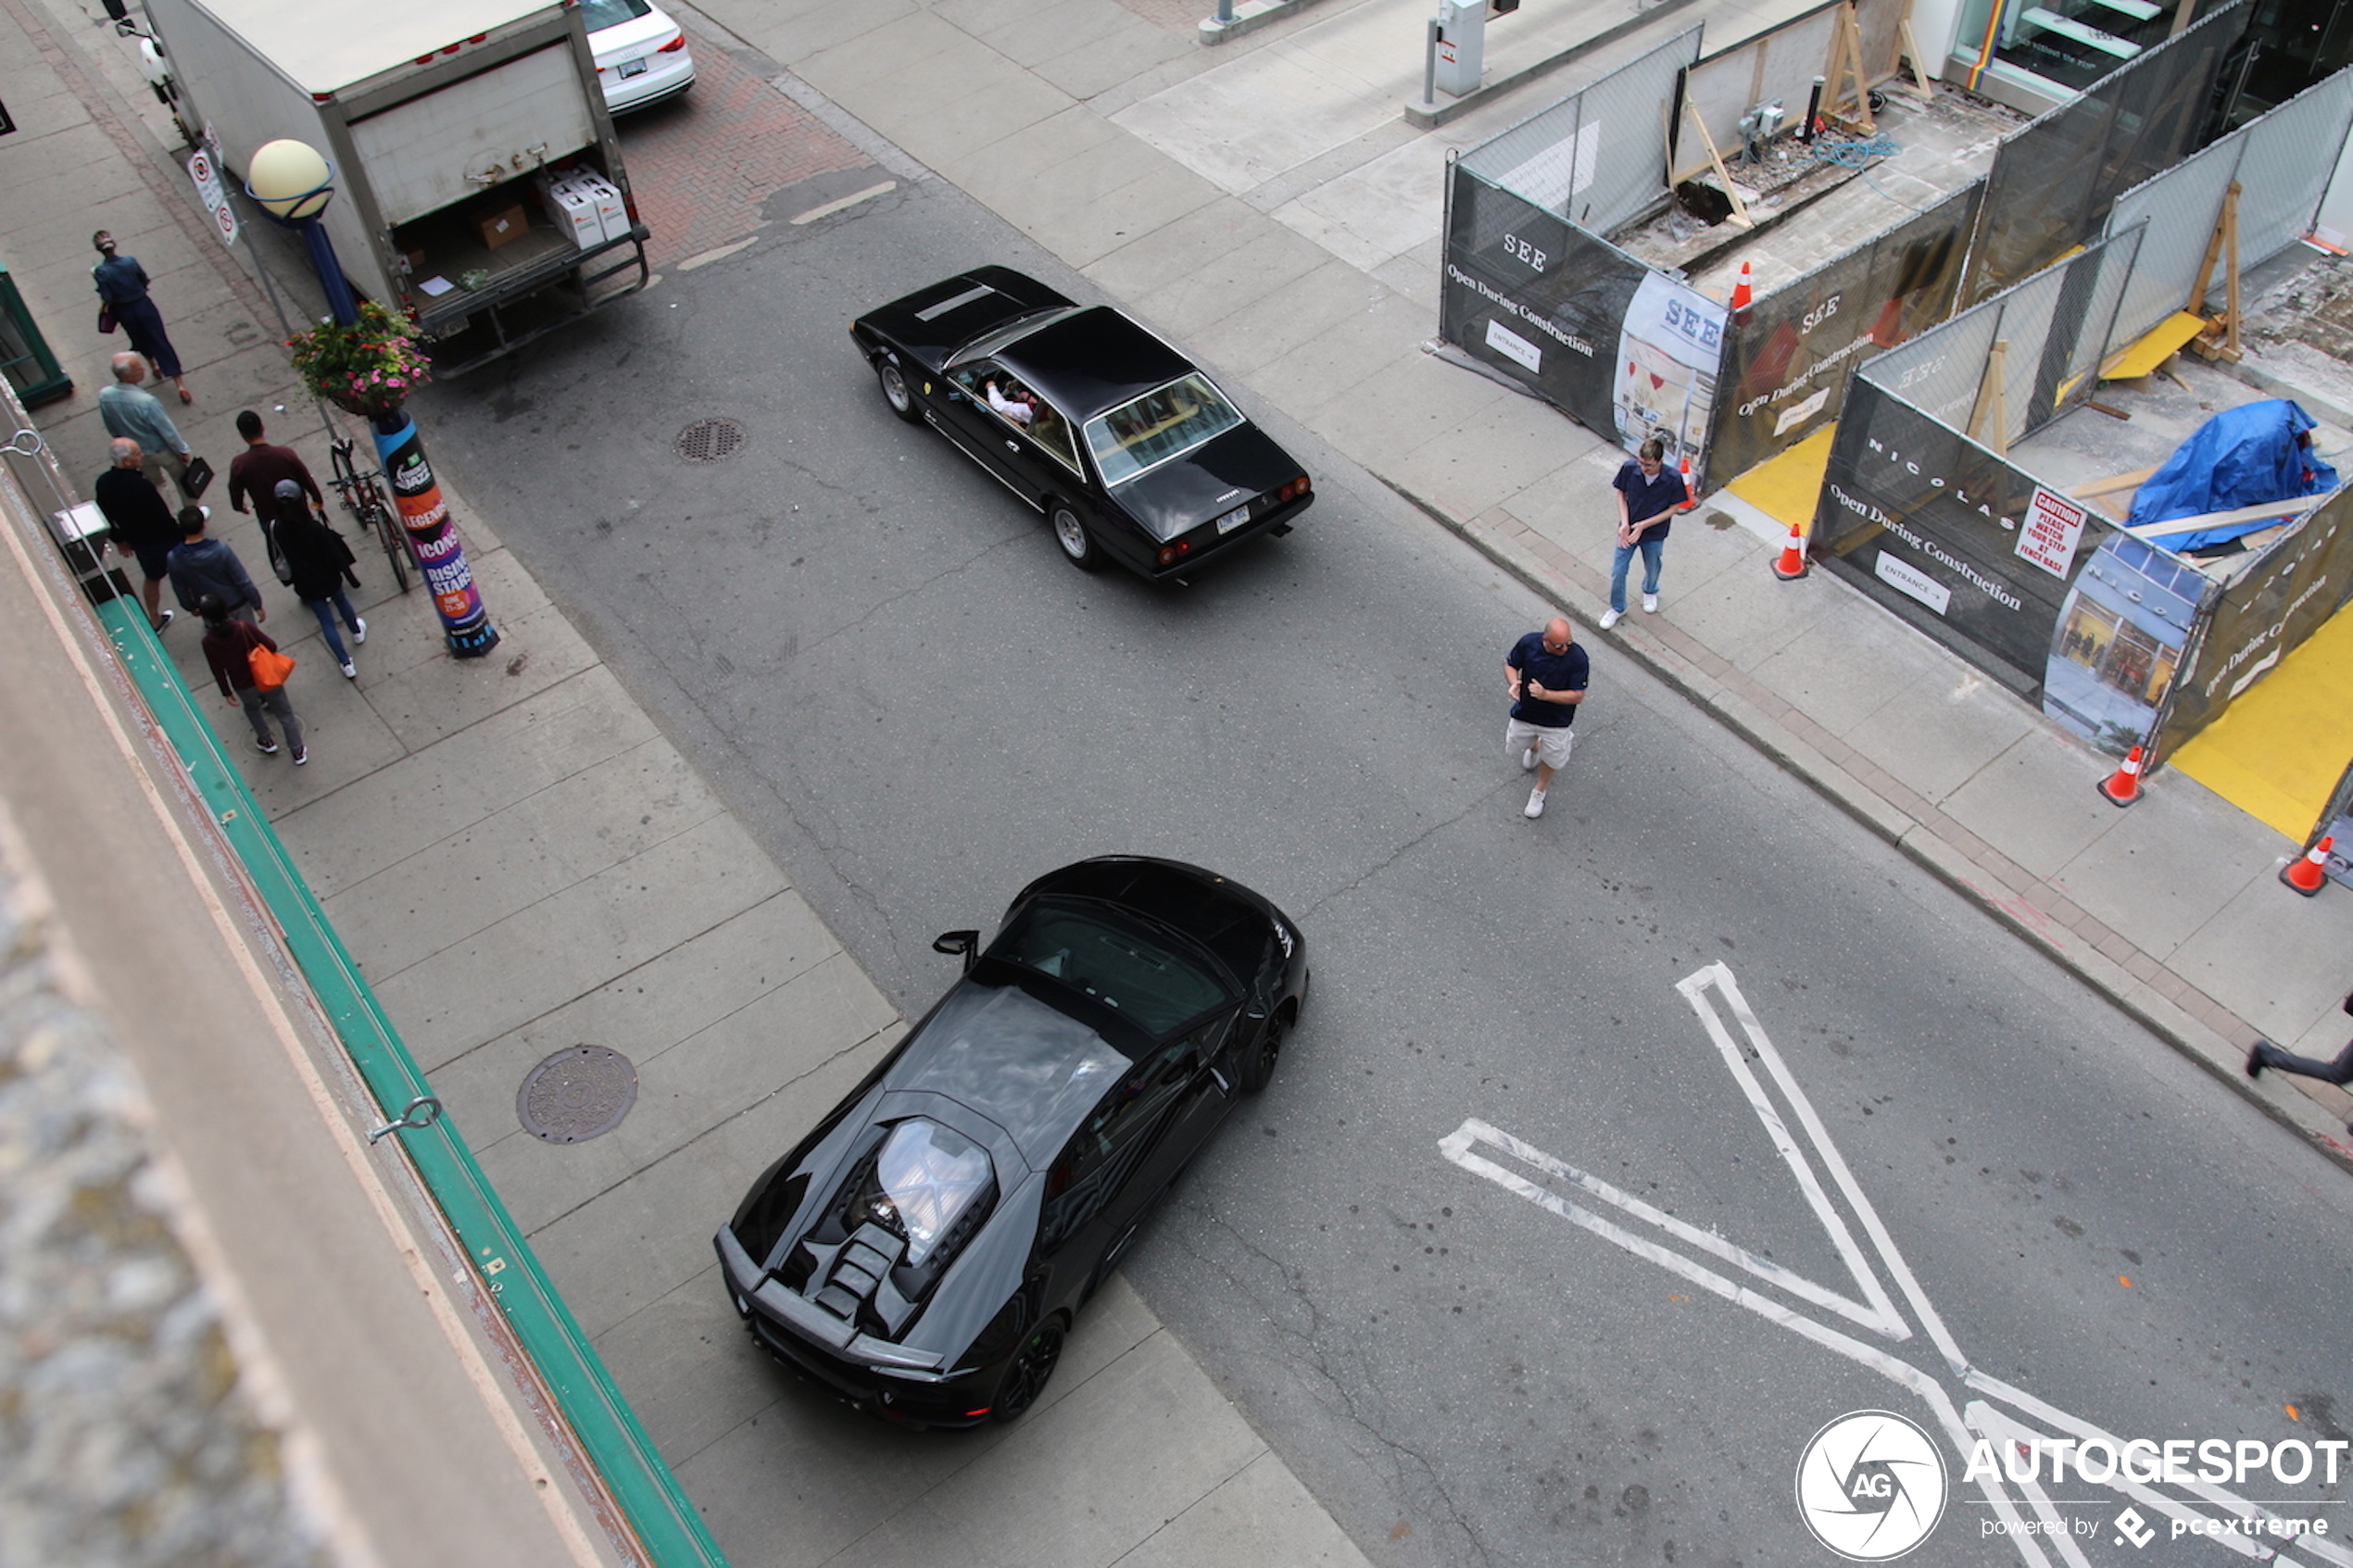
[[2054, 49]]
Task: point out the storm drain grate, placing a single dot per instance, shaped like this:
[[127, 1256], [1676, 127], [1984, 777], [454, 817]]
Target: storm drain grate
[[707, 441], [576, 1094]]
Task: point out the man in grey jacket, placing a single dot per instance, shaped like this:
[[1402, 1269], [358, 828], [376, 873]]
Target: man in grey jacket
[[202, 565], [131, 411]]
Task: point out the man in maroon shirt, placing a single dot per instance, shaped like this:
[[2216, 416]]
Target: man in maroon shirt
[[257, 471]]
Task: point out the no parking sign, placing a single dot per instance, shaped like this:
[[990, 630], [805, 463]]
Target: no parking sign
[[210, 190]]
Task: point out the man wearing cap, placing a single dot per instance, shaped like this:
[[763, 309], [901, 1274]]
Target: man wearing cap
[[320, 562], [261, 468]]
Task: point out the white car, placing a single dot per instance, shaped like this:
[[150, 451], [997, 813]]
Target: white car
[[641, 53]]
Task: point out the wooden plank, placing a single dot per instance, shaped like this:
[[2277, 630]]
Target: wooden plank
[[1990, 413], [1739, 208], [2111, 484], [2293, 506], [1919, 86]]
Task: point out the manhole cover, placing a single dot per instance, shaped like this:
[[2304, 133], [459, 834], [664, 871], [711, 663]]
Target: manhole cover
[[707, 441], [576, 1094]]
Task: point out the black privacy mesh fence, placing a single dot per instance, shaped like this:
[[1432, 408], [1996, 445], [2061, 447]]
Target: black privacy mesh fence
[[1786, 363], [2054, 181], [1926, 521]]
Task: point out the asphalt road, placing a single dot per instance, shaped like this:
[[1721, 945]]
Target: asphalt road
[[879, 657]]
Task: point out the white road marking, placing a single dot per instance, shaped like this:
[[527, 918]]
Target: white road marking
[[1979, 1417], [869, 193], [1694, 990]]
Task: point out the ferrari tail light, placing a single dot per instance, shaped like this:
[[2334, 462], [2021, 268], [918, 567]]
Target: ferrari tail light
[[1171, 554], [673, 45], [1294, 488]]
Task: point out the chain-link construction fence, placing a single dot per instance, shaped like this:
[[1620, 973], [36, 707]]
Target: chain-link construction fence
[[2281, 168], [2053, 331], [1781, 65], [2119, 639], [1596, 158], [2055, 179], [1532, 289], [2263, 614], [1787, 355]]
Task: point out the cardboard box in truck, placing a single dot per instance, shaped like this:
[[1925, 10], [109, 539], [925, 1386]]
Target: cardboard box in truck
[[438, 116]]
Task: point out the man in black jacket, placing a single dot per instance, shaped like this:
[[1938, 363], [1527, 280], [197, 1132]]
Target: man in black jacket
[[141, 522]]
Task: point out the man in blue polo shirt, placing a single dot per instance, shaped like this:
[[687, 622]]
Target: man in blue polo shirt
[[1648, 493], [1544, 674]]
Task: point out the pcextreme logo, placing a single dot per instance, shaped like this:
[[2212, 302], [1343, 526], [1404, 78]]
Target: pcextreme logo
[[1870, 1486]]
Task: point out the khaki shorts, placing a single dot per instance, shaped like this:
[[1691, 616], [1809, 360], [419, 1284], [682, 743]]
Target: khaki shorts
[[1552, 745]]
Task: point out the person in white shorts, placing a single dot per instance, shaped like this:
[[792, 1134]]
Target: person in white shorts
[[1544, 675]]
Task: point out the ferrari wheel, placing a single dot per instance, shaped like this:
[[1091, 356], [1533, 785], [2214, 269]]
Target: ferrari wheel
[[895, 390]]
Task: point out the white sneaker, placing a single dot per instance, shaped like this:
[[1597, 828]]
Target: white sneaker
[[1527, 760], [1535, 804], [348, 673], [1650, 604], [1611, 618], [359, 633]]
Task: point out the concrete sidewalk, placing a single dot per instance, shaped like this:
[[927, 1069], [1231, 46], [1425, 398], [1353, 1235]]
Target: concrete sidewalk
[[521, 863], [1265, 203]]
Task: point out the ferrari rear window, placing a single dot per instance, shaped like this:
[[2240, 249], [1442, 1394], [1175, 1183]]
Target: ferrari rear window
[[1120, 966], [1158, 426]]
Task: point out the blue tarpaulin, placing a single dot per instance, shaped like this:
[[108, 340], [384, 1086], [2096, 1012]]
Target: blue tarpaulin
[[2245, 457]]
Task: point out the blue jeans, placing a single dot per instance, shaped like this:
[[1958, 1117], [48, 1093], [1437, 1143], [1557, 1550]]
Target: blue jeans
[[1653, 547], [325, 610]]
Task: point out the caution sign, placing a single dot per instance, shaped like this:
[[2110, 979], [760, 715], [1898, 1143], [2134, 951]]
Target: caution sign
[[2049, 531]]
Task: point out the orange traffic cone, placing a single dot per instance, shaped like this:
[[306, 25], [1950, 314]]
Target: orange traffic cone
[[1740, 294], [1792, 564], [1691, 497], [2123, 786], [2309, 870]]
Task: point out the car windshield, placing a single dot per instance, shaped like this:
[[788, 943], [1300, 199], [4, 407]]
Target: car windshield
[[598, 15], [1158, 426], [1121, 967], [930, 1176]]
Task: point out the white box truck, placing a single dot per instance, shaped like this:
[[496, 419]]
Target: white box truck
[[446, 120]]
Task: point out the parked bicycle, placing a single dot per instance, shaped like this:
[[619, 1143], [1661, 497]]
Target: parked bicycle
[[364, 497]]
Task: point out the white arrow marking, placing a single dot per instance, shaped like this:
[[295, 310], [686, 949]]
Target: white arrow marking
[[1877, 1312]]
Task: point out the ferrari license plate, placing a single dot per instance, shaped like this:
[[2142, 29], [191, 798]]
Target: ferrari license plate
[[1234, 519]]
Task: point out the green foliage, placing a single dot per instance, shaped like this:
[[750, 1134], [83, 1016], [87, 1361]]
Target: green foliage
[[368, 368]]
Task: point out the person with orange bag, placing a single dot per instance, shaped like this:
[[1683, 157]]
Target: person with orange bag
[[228, 649]]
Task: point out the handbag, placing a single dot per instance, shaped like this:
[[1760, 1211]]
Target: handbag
[[277, 562], [194, 477], [107, 321], [270, 667]]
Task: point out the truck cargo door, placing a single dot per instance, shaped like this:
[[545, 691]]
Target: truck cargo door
[[419, 154]]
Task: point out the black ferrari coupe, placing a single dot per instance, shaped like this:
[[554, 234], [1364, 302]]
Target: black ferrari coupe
[[1127, 448], [922, 1253]]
